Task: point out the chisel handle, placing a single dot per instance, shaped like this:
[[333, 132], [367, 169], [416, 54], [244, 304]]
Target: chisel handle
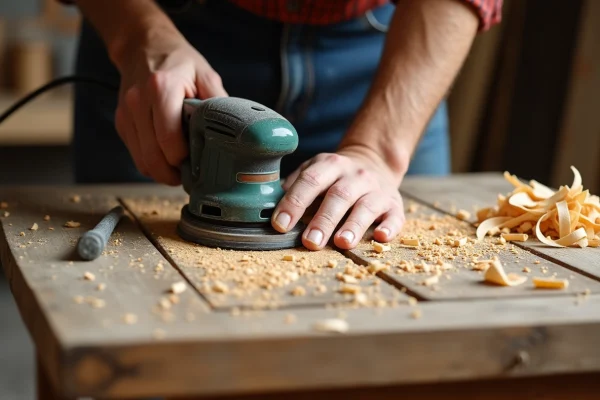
[[93, 242]]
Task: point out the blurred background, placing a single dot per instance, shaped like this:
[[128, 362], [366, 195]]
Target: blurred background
[[527, 100]]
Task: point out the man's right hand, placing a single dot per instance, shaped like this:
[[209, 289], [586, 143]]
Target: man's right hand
[[159, 69], [155, 79]]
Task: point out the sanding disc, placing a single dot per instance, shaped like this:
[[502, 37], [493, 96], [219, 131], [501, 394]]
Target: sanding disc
[[236, 237]]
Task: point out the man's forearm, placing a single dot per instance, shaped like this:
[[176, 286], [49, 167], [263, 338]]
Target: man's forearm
[[123, 25], [426, 44]]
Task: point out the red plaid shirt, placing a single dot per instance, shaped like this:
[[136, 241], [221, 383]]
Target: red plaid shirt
[[328, 12]]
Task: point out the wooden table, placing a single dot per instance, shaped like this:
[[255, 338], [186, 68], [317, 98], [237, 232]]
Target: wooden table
[[237, 330]]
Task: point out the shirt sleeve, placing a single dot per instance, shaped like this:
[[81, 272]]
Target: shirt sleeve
[[488, 11]]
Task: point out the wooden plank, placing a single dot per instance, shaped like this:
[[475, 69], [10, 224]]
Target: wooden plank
[[438, 270], [58, 305], [255, 279], [452, 341], [473, 191], [258, 352], [579, 137]]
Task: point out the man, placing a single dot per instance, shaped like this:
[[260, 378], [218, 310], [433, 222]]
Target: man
[[362, 81]]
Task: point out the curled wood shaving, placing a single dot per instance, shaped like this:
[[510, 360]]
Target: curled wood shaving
[[567, 217], [72, 224]]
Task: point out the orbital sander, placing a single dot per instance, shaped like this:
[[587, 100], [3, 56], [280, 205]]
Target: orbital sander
[[232, 174]]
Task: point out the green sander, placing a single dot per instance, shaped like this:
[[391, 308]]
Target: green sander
[[232, 174]]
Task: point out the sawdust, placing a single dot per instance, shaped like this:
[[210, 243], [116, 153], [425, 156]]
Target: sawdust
[[446, 248], [261, 279]]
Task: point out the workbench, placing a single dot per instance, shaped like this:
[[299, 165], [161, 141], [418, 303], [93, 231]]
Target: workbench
[[156, 316]]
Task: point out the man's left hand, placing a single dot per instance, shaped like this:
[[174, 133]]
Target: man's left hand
[[351, 179]]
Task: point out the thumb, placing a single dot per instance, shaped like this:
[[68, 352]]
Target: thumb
[[209, 84]]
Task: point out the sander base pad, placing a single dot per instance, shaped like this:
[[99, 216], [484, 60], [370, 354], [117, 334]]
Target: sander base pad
[[236, 237]]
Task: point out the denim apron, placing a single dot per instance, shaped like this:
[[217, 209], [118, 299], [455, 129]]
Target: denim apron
[[316, 76]]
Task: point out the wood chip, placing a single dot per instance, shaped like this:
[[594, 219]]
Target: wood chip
[[350, 289], [101, 287], [550, 283], [98, 303], [21, 233], [89, 276], [333, 325], [34, 227], [380, 247], [459, 242], [130, 318], [3, 205], [495, 274], [220, 287], [515, 237], [72, 224], [298, 291], [347, 278], [245, 258], [332, 263], [410, 242], [76, 198], [178, 287], [46, 218], [432, 280], [526, 269], [463, 215], [412, 301], [416, 314], [290, 319], [5, 214], [377, 266], [289, 257]]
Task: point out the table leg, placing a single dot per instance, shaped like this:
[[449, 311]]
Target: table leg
[[45, 391]]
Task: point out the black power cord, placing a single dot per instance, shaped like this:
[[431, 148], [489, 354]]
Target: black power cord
[[52, 84]]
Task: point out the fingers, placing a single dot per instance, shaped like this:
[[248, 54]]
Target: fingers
[[291, 178], [339, 199], [166, 112], [310, 183], [209, 84], [367, 210], [126, 128]]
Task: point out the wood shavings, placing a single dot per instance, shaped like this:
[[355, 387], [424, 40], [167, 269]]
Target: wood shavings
[[332, 263], [72, 224], [101, 287], [416, 313], [289, 257], [410, 242], [495, 274], [376, 266], [550, 283], [432, 280], [5, 214], [567, 217], [46, 218], [34, 227], [178, 287], [332, 325], [412, 301], [459, 242], [347, 278]]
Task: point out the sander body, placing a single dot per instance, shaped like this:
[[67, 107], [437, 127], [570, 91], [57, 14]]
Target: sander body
[[232, 174]]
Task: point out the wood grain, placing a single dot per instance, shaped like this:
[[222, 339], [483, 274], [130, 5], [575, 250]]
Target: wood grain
[[461, 280], [556, 387], [470, 192], [254, 279], [217, 353], [59, 306]]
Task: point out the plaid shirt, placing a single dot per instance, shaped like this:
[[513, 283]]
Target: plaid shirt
[[331, 11]]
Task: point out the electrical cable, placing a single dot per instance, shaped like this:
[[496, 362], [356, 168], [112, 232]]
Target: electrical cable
[[50, 85]]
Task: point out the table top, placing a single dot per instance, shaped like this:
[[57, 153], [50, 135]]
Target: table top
[[252, 322]]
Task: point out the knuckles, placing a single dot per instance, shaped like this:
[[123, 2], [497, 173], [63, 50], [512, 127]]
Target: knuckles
[[310, 178], [341, 192]]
